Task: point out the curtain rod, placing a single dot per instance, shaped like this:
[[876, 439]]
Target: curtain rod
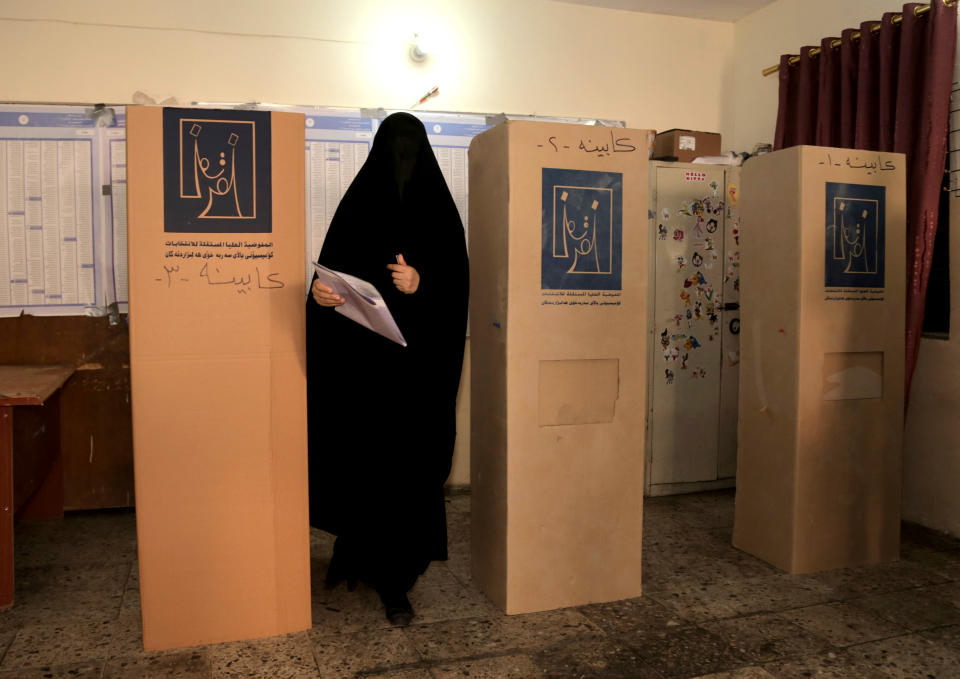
[[815, 51]]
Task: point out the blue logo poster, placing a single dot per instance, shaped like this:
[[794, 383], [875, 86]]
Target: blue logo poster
[[856, 237], [582, 230], [216, 171]]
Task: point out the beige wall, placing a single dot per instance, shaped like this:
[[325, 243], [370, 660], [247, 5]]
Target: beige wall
[[514, 56], [931, 456]]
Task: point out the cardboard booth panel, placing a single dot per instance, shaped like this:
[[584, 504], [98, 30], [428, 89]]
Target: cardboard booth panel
[[218, 375], [852, 375], [490, 184], [578, 392], [822, 369], [558, 318]]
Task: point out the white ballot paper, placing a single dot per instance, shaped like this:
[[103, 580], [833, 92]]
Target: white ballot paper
[[364, 304]]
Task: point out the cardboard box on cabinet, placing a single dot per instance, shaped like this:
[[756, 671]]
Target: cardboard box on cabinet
[[685, 145]]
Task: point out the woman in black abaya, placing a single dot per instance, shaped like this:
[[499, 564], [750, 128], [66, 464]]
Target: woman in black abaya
[[382, 417]]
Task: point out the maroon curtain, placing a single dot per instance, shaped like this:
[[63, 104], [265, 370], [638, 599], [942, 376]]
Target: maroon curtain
[[887, 91], [828, 109]]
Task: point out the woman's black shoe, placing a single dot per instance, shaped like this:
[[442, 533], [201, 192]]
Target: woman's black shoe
[[397, 607]]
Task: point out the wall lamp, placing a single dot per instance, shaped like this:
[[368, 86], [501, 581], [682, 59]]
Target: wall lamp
[[419, 50]]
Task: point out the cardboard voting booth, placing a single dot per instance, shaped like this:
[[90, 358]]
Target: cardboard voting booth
[[558, 259], [822, 371], [216, 250]]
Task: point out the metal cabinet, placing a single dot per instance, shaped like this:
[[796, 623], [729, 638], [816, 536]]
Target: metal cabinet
[[694, 326]]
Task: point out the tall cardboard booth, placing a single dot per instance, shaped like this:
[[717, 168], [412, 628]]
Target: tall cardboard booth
[[822, 371], [558, 260], [217, 349]]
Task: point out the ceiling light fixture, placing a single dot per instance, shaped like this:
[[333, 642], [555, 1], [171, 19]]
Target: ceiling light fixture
[[418, 50]]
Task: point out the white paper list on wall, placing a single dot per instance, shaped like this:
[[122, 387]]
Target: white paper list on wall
[[337, 143], [50, 228], [115, 170]]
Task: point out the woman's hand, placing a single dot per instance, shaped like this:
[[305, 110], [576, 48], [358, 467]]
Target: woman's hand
[[405, 278], [324, 295]]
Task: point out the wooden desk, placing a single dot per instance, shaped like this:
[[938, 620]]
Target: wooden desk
[[31, 467]]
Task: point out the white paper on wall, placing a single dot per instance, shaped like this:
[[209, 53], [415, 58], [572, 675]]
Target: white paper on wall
[[115, 211], [51, 246]]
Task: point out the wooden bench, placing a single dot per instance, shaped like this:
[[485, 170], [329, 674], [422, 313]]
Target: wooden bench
[[31, 466]]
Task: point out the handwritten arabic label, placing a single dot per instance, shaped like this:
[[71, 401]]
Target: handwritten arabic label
[[601, 147], [872, 164], [259, 278], [578, 298]]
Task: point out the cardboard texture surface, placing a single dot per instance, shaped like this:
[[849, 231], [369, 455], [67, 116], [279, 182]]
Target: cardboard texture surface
[[558, 372], [578, 391], [219, 402], [821, 396], [685, 145], [852, 375]]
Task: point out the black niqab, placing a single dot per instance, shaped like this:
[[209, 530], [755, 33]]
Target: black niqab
[[382, 417]]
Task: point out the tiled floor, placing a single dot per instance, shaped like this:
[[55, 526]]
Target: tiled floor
[[708, 610]]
